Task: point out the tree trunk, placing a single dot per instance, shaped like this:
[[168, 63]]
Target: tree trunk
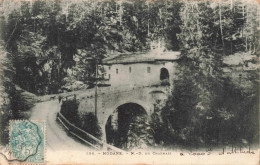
[[220, 24]]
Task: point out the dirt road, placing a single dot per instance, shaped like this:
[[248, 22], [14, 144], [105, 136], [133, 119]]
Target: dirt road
[[57, 138]]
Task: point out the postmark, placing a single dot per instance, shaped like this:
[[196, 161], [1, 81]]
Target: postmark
[[27, 141]]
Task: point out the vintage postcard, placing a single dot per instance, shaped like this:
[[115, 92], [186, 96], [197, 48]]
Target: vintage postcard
[[108, 82]]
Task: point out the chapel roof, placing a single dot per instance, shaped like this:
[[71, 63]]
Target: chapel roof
[[142, 57]]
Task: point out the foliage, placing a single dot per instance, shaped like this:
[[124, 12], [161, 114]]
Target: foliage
[[20, 102], [6, 87], [69, 109], [206, 106], [90, 124], [15, 102], [44, 37], [87, 121], [32, 57], [140, 134]]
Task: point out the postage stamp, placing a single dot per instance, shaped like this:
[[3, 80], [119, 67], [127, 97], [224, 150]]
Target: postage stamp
[[27, 141]]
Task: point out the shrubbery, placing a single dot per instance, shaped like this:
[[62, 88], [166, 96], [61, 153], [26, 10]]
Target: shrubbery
[[18, 106], [21, 103], [89, 123], [86, 121], [69, 109], [5, 116], [140, 134], [206, 107], [230, 119]]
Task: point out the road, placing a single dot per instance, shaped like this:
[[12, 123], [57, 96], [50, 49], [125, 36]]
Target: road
[[57, 138]]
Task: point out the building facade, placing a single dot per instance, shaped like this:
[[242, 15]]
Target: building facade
[[136, 69]]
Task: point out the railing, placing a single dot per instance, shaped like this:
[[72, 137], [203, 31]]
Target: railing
[[84, 136]]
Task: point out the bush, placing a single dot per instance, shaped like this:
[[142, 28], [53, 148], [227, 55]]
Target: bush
[[17, 105], [5, 116], [140, 133], [21, 103], [230, 118], [88, 122], [69, 109]]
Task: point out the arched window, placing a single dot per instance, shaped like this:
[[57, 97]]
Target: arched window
[[164, 74]]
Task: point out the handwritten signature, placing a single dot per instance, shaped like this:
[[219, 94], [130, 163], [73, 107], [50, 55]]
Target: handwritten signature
[[236, 152], [224, 151]]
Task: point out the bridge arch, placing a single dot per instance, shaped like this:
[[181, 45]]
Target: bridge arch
[[144, 104], [118, 123]]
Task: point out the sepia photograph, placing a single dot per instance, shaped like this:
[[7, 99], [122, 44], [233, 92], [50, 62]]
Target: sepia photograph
[[110, 82]]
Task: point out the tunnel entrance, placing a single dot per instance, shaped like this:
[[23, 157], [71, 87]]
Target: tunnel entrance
[[117, 126]]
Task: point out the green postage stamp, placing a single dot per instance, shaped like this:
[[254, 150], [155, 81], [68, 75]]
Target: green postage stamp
[[27, 141]]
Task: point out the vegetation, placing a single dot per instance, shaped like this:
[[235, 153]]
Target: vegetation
[[52, 41], [69, 109], [140, 134], [207, 107], [86, 121], [15, 103], [89, 123], [48, 44]]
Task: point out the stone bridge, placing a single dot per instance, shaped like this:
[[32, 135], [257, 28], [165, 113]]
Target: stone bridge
[[129, 100]]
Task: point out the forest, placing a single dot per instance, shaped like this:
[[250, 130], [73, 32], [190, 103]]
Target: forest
[[40, 41]]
